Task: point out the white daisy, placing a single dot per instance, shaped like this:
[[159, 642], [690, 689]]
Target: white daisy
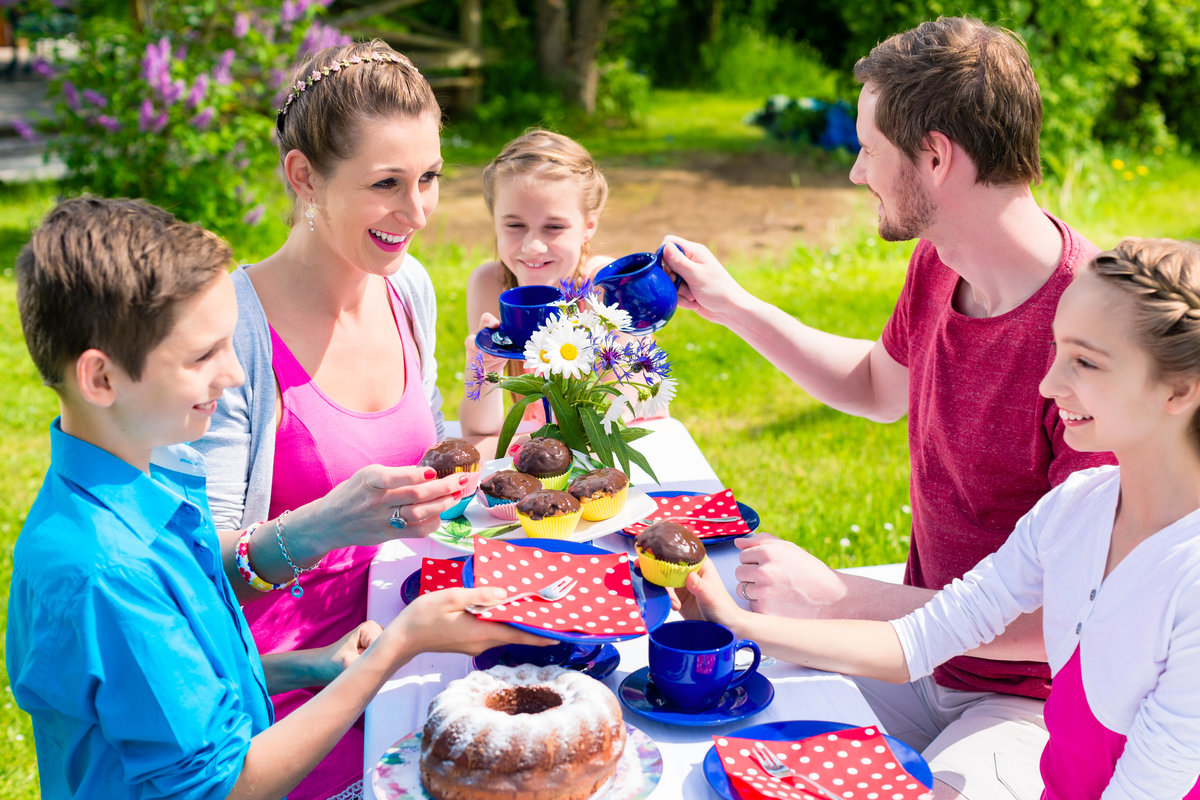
[[661, 395], [616, 410], [560, 350], [614, 318]]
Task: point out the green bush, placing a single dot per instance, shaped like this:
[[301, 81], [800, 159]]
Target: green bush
[[178, 109], [748, 63]]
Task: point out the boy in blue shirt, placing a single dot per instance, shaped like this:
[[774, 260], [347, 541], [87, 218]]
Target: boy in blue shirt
[[125, 642]]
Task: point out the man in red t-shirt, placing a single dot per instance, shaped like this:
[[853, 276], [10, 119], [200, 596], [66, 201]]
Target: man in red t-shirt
[[949, 119]]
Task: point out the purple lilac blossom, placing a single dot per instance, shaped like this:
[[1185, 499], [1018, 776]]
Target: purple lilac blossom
[[254, 215], [108, 123], [321, 36], [95, 98], [198, 90], [41, 67], [241, 25], [145, 116], [202, 119], [70, 95], [221, 73], [23, 129]]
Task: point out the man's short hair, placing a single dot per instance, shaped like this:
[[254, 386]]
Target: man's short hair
[[968, 80], [109, 274]]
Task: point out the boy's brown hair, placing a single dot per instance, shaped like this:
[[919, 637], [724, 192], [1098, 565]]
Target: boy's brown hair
[[968, 80], [109, 274]]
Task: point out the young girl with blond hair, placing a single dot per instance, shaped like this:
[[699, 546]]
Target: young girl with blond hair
[[1112, 555], [545, 194]]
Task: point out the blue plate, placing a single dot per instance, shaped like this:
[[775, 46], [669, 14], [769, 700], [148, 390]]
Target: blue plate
[[484, 341], [652, 600], [638, 694], [412, 584], [599, 666], [748, 514], [794, 730]]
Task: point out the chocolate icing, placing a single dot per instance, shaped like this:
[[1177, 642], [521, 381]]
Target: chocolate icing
[[547, 503], [509, 484], [598, 483], [450, 454], [670, 541], [543, 457]]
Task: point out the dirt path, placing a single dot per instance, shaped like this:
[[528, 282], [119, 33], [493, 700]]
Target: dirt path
[[756, 204]]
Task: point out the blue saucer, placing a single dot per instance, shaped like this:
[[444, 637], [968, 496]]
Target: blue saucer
[[484, 341], [794, 731], [412, 584], [652, 600], [748, 514], [637, 693], [598, 667]]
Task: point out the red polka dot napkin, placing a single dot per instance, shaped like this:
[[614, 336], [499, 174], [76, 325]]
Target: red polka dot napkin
[[708, 506], [440, 573], [851, 764], [601, 603]]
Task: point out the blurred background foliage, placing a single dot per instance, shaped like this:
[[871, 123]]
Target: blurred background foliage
[[1113, 72]]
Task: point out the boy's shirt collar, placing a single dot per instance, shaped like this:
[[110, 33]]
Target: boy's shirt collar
[[129, 492]]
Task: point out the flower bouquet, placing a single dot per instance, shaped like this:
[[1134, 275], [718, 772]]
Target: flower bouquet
[[588, 377]]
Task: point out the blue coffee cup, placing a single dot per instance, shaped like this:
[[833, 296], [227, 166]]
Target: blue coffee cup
[[524, 309], [639, 285], [692, 662]]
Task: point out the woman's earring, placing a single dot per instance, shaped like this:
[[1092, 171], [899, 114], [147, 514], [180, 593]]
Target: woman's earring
[[311, 215]]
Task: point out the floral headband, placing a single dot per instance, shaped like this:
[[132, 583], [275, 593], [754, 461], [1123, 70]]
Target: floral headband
[[336, 66]]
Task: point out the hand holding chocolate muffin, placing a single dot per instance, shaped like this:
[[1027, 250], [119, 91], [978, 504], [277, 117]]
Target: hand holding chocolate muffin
[[668, 552]]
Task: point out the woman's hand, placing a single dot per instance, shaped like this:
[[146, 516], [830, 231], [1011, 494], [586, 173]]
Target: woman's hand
[[436, 622], [705, 597]]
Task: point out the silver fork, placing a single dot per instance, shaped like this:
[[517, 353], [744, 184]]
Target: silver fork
[[551, 592], [777, 769]]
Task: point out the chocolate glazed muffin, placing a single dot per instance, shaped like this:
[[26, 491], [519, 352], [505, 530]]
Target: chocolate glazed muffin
[[549, 513], [668, 552], [602, 492], [509, 485], [450, 456], [546, 459]]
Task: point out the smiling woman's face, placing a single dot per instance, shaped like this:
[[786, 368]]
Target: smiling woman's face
[[369, 207]]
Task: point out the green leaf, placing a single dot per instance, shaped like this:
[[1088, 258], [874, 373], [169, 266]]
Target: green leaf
[[523, 384], [511, 422], [622, 451], [596, 434], [633, 434], [567, 419]]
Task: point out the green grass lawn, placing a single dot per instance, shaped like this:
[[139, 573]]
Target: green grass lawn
[[836, 484]]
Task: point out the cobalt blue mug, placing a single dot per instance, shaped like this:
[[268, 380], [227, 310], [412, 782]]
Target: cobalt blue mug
[[692, 662], [639, 284], [524, 309]]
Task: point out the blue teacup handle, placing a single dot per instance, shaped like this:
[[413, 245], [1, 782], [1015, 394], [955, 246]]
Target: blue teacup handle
[[745, 674]]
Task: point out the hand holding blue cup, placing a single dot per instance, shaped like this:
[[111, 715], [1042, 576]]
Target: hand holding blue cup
[[639, 284], [692, 662], [524, 309]]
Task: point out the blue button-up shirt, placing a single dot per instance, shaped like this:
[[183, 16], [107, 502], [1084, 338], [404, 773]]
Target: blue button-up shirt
[[125, 642]]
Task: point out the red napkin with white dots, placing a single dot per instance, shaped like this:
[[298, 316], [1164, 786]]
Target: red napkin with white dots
[[717, 505], [440, 573], [852, 764], [601, 603]]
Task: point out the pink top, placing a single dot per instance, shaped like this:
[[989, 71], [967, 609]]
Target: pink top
[[318, 445], [1082, 754], [984, 444]]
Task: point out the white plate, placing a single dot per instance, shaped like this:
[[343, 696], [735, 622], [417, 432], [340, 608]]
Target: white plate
[[638, 505], [397, 776]]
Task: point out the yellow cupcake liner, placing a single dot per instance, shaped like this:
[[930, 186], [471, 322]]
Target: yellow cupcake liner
[[460, 468], [554, 481], [664, 573], [596, 509], [557, 527]]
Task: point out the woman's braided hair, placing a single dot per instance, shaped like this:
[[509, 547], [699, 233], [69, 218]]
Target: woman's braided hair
[[1163, 277]]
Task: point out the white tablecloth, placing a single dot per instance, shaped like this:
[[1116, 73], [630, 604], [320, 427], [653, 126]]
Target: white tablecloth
[[400, 707]]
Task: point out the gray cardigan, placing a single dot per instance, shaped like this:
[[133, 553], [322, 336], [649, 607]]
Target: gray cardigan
[[239, 447]]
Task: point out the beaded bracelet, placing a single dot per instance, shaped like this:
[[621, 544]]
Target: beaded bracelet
[[297, 571], [242, 559]]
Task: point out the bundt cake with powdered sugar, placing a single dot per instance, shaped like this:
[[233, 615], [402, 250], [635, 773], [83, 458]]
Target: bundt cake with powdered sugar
[[524, 732]]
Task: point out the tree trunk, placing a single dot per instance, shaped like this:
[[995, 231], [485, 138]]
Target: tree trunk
[[569, 39]]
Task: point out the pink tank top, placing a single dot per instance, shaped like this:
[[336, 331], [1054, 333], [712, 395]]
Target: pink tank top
[[318, 445], [1082, 754]]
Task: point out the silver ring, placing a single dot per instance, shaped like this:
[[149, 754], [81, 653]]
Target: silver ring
[[397, 521], [741, 589]]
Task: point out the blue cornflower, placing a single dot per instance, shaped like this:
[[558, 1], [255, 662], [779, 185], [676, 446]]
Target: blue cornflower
[[574, 291], [646, 356], [610, 356], [476, 376]]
